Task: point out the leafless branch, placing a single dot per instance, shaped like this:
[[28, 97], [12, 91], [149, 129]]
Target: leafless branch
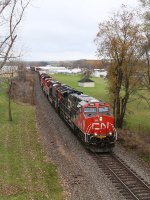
[[11, 14]]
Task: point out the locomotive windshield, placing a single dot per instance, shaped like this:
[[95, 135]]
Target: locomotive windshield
[[104, 111], [90, 111]]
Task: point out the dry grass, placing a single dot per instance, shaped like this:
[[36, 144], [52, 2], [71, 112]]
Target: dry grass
[[138, 141], [23, 88]]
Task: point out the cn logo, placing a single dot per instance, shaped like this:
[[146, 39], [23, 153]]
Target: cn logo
[[105, 126]]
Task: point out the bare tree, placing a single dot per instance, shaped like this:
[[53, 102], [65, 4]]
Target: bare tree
[[6, 76], [119, 40], [9, 80], [11, 13]]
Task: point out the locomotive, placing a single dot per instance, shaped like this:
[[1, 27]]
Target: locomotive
[[89, 118]]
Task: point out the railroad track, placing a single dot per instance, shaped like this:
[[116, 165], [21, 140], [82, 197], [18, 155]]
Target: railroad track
[[130, 185]]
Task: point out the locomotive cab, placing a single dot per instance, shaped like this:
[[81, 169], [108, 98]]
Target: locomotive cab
[[42, 80], [94, 120], [51, 90], [46, 84]]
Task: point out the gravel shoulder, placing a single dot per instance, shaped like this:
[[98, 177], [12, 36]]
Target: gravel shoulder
[[79, 174]]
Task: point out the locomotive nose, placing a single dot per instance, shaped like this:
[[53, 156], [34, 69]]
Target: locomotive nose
[[102, 124]]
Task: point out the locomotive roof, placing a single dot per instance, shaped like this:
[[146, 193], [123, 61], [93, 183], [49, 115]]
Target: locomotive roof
[[63, 88], [54, 81], [42, 72], [56, 84], [45, 76], [47, 79], [85, 98], [67, 90]]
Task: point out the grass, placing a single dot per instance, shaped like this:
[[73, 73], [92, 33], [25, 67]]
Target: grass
[[25, 172], [138, 113], [145, 158], [99, 91]]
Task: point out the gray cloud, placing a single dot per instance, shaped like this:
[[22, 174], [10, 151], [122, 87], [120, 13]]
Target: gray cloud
[[64, 29]]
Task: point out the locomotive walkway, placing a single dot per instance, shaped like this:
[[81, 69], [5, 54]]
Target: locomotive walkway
[[130, 185]]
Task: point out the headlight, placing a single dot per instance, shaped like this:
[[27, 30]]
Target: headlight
[[100, 118], [110, 133]]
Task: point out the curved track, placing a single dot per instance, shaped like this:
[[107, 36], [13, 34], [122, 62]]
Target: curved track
[[126, 181]]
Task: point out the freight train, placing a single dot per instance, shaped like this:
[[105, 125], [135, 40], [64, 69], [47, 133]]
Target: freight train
[[89, 118]]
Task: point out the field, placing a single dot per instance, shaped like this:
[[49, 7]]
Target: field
[[138, 113], [99, 91], [25, 172]]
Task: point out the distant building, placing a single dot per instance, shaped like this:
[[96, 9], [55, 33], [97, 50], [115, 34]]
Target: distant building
[[99, 73], [61, 70], [86, 82], [8, 71]]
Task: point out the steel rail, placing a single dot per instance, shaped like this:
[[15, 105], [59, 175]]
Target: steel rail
[[128, 169], [107, 164]]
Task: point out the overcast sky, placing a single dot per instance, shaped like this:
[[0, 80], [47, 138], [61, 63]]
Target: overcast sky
[[64, 29]]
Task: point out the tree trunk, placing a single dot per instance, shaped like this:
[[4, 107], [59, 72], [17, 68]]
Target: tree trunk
[[148, 70], [117, 96], [9, 101], [9, 109], [123, 104]]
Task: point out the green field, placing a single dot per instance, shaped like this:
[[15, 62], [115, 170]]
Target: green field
[[99, 91], [138, 113], [25, 172]]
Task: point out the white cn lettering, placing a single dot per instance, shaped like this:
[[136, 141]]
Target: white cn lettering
[[103, 126], [107, 125]]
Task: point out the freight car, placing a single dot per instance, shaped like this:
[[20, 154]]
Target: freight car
[[89, 118]]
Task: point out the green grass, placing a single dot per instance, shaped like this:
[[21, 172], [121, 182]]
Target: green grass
[[138, 112], [145, 158], [99, 91], [139, 118], [24, 170]]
